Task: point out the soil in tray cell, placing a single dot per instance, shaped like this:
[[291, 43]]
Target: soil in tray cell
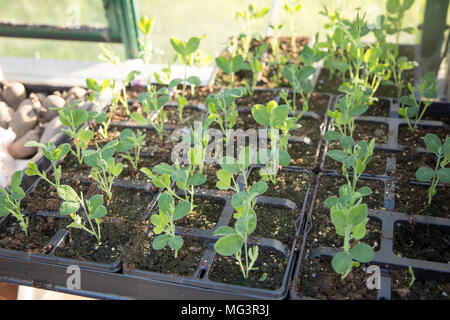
[[410, 139], [270, 75], [318, 280], [126, 208], [376, 166], [365, 130], [323, 232], [259, 97], [436, 288], [309, 128], [274, 223], [224, 79], [379, 108], [205, 215], [190, 115], [318, 103], [40, 231], [210, 171], [44, 197], [142, 256], [422, 241], [286, 48], [199, 97], [70, 166], [413, 199], [269, 264], [436, 116], [290, 185], [409, 161], [302, 154]]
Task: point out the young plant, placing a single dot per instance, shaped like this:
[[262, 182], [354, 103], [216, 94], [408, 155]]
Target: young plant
[[186, 53], [397, 66], [152, 103], [231, 167], [355, 156], [164, 222], [146, 51], [231, 66], [233, 241], [348, 213], [222, 107], [104, 168], [346, 111], [102, 117], [73, 118], [410, 107], [255, 65], [10, 201], [248, 18], [440, 172], [129, 140], [278, 59], [349, 217], [123, 99], [163, 175], [52, 153], [93, 210], [396, 10], [200, 139], [298, 77], [292, 10], [276, 118]]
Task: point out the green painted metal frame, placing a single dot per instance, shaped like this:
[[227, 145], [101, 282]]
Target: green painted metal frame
[[433, 31], [122, 21]]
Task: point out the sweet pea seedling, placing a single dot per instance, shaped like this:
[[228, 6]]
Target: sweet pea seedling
[[52, 153], [102, 117], [152, 103], [222, 107], [145, 25], [163, 175], [298, 77], [349, 216], [440, 172], [164, 222], [396, 10], [124, 100], [231, 167], [397, 65], [232, 240], [410, 107], [130, 140], [231, 66], [255, 65], [10, 201], [73, 118], [186, 53], [275, 117], [248, 18], [292, 10], [104, 168], [200, 140], [93, 210]]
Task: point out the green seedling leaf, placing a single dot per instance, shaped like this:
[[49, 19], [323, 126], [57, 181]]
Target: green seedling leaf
[[362, 252]]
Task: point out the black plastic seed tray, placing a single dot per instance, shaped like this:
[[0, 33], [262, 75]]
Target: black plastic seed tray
[[385, 257], [200, 278]]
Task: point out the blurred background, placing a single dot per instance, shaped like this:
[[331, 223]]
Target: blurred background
[[179, 18]]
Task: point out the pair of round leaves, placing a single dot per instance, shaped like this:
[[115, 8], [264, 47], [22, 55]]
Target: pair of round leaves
[[343, 261]]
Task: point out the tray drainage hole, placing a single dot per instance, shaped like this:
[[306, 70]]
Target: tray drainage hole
[[202, 273]]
